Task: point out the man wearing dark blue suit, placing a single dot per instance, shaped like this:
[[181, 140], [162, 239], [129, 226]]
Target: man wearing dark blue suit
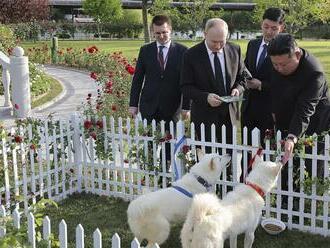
[[155, 90], [256, 109]]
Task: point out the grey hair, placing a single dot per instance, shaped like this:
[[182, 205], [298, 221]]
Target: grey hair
[[214, 22]]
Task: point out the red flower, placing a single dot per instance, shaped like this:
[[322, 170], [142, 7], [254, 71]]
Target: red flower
[[16, 106], [126, 161], [99, 124], [88, 124], [168, 136], [32, 147], [185, 149], [18, 139], [92, 49], [282, 142], [110, 75], [93, 135], [268, 134], [130, 69], [114, 108], [93, 75], [162, 140]]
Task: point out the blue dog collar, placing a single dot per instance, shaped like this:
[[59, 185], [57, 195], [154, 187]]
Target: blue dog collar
[[183, 191]]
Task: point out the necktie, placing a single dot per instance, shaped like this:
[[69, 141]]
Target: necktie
[[161, 58], [262, 57], [218, 74]]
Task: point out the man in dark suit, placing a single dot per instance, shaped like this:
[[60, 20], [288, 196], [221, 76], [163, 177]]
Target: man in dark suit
[[155, 90], [211, 69], [299, 90], [256, 109]]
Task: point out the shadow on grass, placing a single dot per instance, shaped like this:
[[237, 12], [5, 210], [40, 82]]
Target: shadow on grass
[[109, 215]]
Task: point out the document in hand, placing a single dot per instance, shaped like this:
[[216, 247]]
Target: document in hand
[[229, 99]]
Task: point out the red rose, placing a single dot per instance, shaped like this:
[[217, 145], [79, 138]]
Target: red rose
[[16, 106], [88, 124], [93, 75], [114, 108], [18, 139], [93, 135], [99, 124], [130, 69], [168, 136], [32, 147], [185, 149]]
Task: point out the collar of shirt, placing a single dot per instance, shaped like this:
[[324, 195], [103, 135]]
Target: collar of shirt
[[209, 51], [166, 45]]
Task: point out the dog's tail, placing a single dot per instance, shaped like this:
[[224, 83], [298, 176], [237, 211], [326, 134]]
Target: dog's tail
[[197, 230]]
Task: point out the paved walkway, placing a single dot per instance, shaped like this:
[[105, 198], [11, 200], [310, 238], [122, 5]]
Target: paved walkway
[[76, 85]]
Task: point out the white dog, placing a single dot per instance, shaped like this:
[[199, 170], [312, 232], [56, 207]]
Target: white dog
[[211, 221], [150, 215]]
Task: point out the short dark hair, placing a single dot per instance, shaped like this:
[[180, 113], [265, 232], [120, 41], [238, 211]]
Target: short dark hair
[[282, 44], [159, 20], [274, 14]]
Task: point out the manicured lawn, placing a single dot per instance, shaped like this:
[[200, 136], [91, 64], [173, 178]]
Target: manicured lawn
[[130, 48], [109, 215]]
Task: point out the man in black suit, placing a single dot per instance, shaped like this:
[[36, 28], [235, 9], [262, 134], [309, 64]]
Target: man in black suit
[[256, 109], [211, 69], [299, 90], [155, 90]]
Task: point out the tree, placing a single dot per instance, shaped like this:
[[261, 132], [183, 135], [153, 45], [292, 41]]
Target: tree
[[299, 13], [103, 11], [190, 17], [17, 11]]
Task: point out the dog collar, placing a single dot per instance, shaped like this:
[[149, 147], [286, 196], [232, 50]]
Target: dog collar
[[256, 188], [203, 182], [183, 191]]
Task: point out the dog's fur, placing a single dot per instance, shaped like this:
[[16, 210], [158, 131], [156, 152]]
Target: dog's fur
[[150, 215], [210, 221]]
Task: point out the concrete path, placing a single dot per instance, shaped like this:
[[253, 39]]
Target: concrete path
[[76, 85]]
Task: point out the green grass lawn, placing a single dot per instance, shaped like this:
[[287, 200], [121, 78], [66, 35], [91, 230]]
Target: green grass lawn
[[109, 215], [130, 48]]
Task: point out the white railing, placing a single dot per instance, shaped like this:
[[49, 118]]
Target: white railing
[[16, 70], [63, 232], [68, 160]]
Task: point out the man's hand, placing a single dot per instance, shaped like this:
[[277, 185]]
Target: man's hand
[[254, 84], [288, 150], [213, 100], [185, 114], [133, 111], [234, 92]]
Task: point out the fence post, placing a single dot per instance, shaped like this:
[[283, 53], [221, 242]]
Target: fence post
[[6, 86], [255, 139], [77, 148], [63, 234], [80, 243], [19, 71], [54, 50], [115, 241], [46, 230], [135, 243], [97, 239], [2, 214], [16, 219], [31, 230], [180, 132]]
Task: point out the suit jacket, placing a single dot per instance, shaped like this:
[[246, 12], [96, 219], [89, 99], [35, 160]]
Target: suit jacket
[[197, 81], [300, 101], [154, 91], [257, 103]]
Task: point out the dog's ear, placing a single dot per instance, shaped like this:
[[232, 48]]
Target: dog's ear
[[200, 154], [213, 164]]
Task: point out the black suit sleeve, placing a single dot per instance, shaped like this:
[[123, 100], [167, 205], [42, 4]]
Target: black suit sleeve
[[188, 84], [306, 104], [138, 79], [240, 81]]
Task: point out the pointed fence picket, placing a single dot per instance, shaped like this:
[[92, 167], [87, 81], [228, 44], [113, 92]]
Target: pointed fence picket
[[63, 232], [65, 161]]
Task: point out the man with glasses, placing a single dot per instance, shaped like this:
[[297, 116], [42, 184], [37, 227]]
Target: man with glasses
[[155, 90], [256, 108]]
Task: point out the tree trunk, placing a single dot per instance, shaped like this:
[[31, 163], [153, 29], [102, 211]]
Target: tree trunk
[[145, 21]]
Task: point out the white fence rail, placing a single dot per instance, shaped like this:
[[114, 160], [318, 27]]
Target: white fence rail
[[119, 157], [63, 233]]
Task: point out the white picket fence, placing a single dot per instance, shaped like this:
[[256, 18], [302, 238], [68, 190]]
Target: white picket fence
[[63, 236], [66, 162]]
